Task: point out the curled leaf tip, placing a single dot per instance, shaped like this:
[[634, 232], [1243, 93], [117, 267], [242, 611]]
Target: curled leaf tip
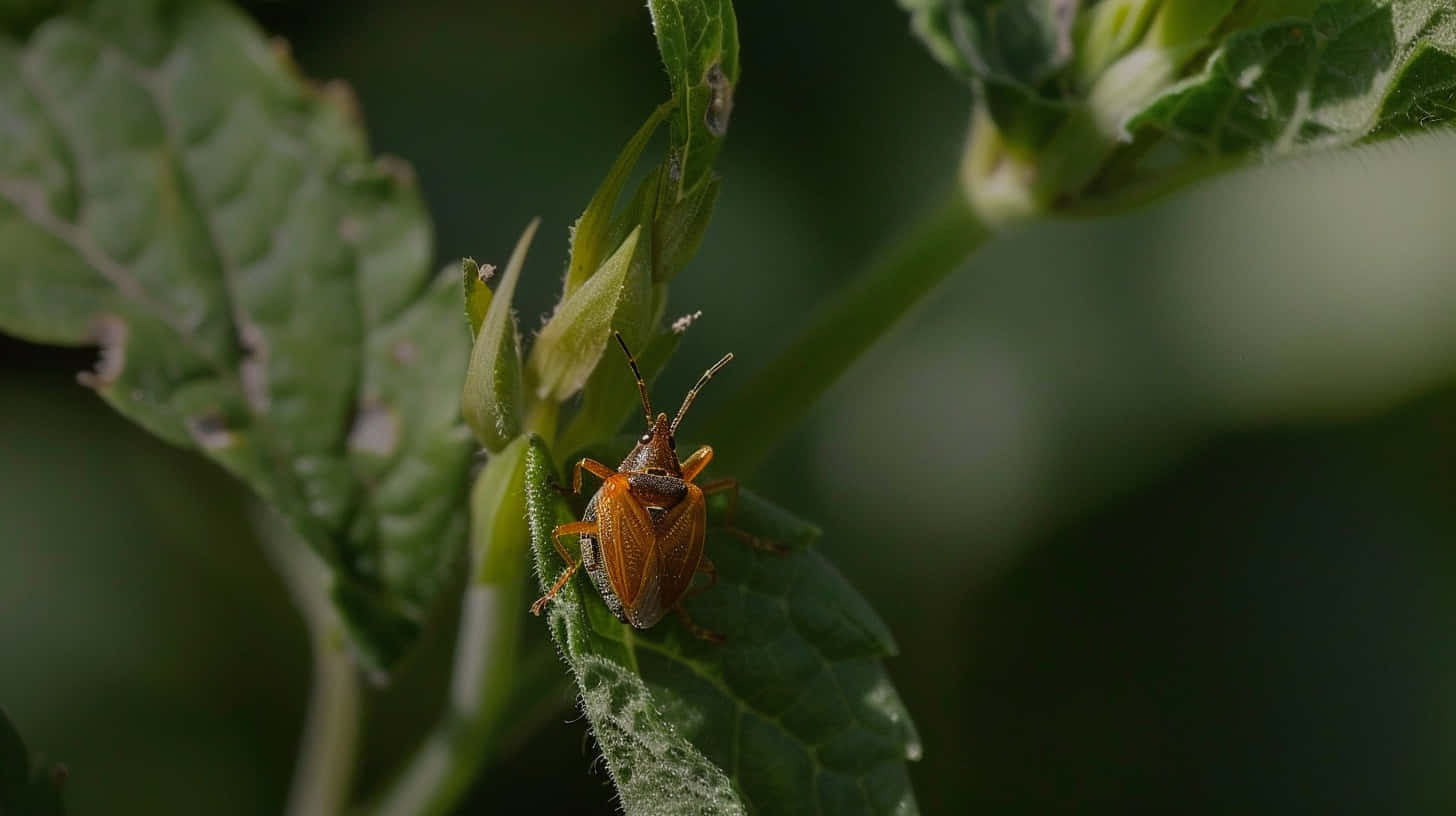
[[110, 334], [491, 400]]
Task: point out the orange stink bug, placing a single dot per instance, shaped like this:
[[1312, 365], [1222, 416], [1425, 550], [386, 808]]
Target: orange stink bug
[[642, 533]]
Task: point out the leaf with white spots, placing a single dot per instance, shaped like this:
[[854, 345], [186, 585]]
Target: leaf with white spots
[[173, 191], [792, 713], [1354, 70], [1091, 107]]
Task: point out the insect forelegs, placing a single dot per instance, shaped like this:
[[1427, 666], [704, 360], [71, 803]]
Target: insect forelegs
[[597, 469]]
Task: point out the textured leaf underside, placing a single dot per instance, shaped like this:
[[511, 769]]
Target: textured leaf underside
[[1349, 71], [794, 713], [1356, 70], [172, 190]]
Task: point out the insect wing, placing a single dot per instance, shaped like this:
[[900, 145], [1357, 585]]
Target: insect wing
[[680, 534], [628, 549]]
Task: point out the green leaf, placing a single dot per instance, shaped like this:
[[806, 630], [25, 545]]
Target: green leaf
[[498, 500], [171, 189], [643, 299], [589, 237], [1357, 70], [572, 341], [698, 40], [491, 399], [1095, 107], [477, 294], [28, 787], [1018, 42], [677, 235], [793, 713]]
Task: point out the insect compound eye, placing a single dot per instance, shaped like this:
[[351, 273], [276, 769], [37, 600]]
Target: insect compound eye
[[647, 437]]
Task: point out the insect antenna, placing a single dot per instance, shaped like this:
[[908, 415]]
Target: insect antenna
[[641, 383], [693, 392]]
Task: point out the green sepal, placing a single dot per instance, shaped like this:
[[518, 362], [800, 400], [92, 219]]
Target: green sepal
[[477, 294], [492, 396], [572, 341], [590, 236]]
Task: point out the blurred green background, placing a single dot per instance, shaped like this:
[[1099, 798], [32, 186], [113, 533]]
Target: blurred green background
[[1161, 508]]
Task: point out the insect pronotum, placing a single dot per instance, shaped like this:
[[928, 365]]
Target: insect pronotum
[[642, 533]]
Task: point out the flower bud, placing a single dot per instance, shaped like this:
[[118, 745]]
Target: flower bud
[[572, 341], [491, 398]]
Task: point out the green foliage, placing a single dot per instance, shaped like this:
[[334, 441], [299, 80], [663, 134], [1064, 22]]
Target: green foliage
[[589, 237], [792, 714], [491, 401], [1354, 70], [698, 40], [570, 344], [477, 294], [172, 190], [1087, 107], [685, 727], [259, 287], [28, 787]]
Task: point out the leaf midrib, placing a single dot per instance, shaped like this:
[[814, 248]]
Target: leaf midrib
[[30, 202]]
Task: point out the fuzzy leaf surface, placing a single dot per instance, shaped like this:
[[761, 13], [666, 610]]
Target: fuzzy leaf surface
[[698, 41], [1123, 100], [794, 713], [172, 190], [1356, 70]]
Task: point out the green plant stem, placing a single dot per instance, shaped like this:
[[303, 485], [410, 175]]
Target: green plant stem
[[745, 428], [442, 769], [541, 420], [324, 772]]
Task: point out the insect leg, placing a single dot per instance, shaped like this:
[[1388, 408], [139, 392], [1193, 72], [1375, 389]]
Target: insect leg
[[694, 629], [731, 486], [597, 469], [704, 565], [555, 588], [693, 465], [572, 528]]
